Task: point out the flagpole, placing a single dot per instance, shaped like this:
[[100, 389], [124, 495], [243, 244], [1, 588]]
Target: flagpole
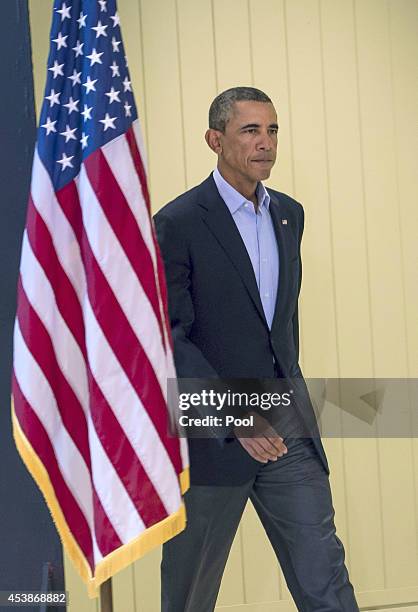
[[106, 599]]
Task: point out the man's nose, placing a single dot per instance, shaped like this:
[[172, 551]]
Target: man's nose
[[265, 142]]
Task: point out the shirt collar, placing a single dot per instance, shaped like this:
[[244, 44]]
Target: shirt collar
[[233, 199]]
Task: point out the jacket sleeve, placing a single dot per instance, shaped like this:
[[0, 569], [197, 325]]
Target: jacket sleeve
[[189, 360]]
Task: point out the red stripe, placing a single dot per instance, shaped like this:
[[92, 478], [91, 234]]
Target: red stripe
[[140, 169], [40, 442], [129, 468], [125, 226], [65, 295], [117, 446], [119, 332], [40, 345], [138, 163], [69, 307]]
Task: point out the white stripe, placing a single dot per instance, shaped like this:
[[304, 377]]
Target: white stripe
[[42, 299], [109, 489], [134, 421], [121, 277], [63, 237], [39, 394], [68, 253], [125, 173], [140, 143]]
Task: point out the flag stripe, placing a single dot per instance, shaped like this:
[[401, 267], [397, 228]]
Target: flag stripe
[[136, 422], [92, 343], [118, 330], [38, 437], [100, 411], [139, 166], [120, 277], [71, 361], [40, 345], [39, 396], [125, 227], [67, 300]]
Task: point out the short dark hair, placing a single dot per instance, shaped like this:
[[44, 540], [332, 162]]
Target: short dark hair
[[221, 107]]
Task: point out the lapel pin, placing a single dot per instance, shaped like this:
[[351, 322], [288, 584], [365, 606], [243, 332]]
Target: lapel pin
[[284, 221]]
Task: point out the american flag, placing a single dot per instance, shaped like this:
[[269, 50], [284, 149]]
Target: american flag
[[92, 346]]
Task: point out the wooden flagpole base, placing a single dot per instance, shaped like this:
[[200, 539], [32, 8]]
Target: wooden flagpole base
[[106, 599]]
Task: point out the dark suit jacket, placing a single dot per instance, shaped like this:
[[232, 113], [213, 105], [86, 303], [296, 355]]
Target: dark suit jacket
[[218, 324]]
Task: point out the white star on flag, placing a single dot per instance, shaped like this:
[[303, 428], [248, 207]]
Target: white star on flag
[[127, 108], [49, 126], [57, 69], [86, 112], [116, 20], [127, 84], [115, 69], [78, 48], [103, 8], [60, 40], [69, 133], [100, 29], [95, 57], [72, 105], [64, 11], [113, 95], [65, 161], [82, 20], [89, 85], [75, 78], [53, 97], [115, 45], [83, 140], [108, 122]]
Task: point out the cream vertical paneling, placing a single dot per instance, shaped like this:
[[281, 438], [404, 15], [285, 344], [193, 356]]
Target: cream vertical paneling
[[349, 254], [198, 84], [268, 43], [40, 13], [311, 187], [78, 600], [233, 51], [341, 74], [403, 17], [147, 582], [387, 292], [381, 195], [163, 100], [131, 27], [269, 65]]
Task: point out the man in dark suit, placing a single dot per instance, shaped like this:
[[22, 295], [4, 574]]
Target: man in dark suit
[[231, 250]]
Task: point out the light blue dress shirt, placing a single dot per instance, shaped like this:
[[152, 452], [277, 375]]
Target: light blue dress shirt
[[257, 233]]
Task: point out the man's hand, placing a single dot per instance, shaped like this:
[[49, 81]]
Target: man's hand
[[264, 444]]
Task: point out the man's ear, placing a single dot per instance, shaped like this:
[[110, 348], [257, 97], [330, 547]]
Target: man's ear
[[213, 138]]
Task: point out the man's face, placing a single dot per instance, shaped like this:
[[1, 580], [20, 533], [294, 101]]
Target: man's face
[[248, 147]]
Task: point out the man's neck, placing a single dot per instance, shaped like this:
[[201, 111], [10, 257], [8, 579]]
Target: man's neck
[[246, 188]]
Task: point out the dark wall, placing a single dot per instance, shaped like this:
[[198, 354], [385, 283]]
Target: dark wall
[[27, 535]]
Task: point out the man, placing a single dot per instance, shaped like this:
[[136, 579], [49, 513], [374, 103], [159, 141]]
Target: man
[[231, 250]]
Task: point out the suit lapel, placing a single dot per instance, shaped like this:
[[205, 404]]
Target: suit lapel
[[220, 222]]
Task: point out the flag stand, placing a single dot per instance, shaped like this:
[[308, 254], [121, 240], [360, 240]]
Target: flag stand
[[106, 599]]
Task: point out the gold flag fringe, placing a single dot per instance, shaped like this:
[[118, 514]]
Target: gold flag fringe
[[121, 557]]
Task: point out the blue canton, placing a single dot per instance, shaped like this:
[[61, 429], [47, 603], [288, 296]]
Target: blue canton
[[88, 94]]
